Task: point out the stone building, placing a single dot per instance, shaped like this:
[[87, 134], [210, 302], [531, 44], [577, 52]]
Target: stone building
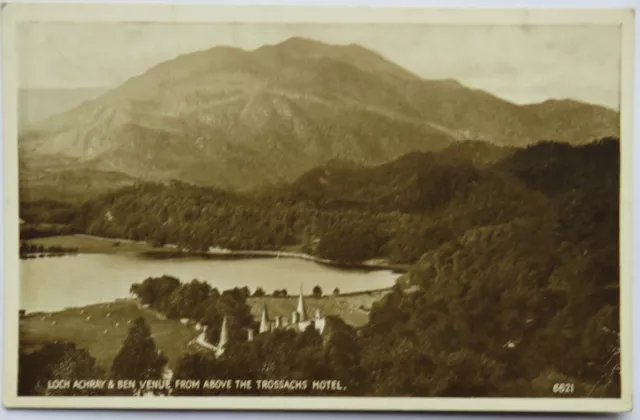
[[299, 320]]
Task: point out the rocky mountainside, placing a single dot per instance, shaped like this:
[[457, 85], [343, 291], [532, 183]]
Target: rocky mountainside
[[240, 120]]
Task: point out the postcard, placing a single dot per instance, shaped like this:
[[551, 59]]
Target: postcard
[[317, 208]]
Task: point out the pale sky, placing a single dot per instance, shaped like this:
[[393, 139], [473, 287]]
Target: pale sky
[[522, 64]]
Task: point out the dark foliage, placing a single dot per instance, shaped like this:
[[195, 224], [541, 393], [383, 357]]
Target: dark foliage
[[284, 354], [512, 308], [514, 284], [48, 211], [27, 249], [57, 361], [341, 212], [198, 302], [139, 359]]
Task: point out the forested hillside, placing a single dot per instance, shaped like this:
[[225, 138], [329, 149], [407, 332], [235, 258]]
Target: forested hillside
[[398, 210], [515, 277], [513, 308]]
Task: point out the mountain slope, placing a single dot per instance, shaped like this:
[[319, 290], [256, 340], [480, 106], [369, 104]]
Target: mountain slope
[[36, 105], [239, 119]]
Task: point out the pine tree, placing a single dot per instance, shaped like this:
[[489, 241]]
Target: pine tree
[[138, 359]]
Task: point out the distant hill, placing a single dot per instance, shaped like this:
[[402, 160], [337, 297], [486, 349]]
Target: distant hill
[[243, 120]]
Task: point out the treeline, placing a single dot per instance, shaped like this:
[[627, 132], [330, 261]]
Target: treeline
[[199, 302], [43, 230], [48, 212], [30, 249], [396, 211], [43, 218]]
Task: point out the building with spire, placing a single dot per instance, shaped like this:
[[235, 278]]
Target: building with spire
[[265, 325], [224, 338], [299, 321], [302, 310]]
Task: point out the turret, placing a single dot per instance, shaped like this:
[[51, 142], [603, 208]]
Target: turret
[[264, 322], [295, 317], [302, 311], [224, 334]]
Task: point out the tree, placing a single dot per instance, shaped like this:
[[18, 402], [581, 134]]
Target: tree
[[155, 291], [280, 293], [196, 366], [317, 291], [232, 304], [343, 354], [139, 359], [336, 291], [76, 364], [59, 360], [189, 300], [259, 292]]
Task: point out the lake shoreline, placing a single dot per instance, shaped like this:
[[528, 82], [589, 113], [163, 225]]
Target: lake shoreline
[[255, 302], [89, 244]]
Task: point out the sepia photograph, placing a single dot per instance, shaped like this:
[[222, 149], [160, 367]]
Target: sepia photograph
[[321, 210]]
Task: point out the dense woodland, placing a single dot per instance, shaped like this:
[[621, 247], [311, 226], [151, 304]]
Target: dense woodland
[[514, 284], [398, 211]]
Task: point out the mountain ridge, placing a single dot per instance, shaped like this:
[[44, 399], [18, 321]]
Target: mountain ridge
[[241, 119]]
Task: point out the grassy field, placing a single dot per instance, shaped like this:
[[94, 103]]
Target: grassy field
[[102, 328], [95, 245], [353, 308]]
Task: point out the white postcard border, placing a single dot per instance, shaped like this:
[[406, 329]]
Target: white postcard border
[[13, 13]]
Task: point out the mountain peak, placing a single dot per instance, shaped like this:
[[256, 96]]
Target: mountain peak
[[297, 45], [299, 41], [238, 119], [352, 54]]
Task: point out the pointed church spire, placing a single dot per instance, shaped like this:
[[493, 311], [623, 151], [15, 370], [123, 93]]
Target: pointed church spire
[[264, 322], [224, 334], [302, 311]]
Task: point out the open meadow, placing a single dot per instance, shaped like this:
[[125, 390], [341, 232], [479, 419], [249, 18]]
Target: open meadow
[[102, 328], [93, 244]]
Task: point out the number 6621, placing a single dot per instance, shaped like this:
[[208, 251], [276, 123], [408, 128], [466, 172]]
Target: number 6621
[[561, 388]]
